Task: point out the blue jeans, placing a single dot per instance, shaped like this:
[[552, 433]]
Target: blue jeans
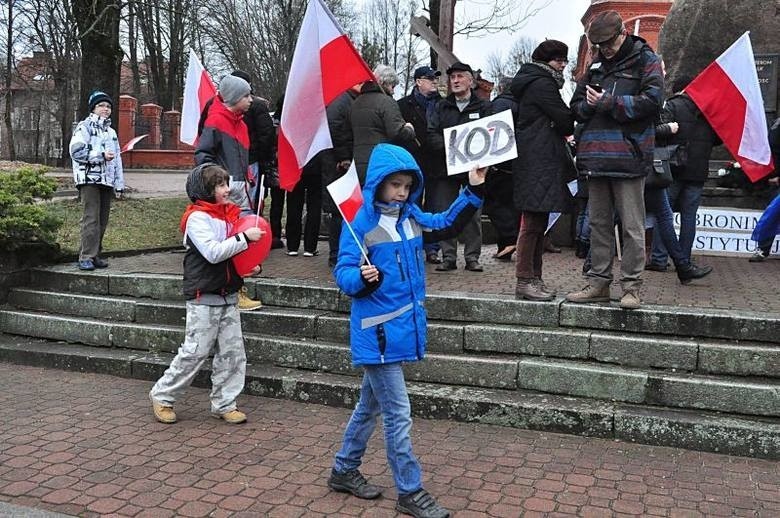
[[383, 392], [687, 197], [657, 203]]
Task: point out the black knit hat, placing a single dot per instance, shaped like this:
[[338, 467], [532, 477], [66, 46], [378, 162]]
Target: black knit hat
[[98, 97], [549, 50]]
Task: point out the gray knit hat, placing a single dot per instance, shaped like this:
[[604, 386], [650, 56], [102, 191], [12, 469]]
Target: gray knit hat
[[232, 89]]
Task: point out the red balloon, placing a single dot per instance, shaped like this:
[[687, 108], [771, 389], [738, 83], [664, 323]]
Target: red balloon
[[258, 250]]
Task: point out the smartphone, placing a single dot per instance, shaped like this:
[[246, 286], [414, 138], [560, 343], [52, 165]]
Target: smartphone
[[596, 87]]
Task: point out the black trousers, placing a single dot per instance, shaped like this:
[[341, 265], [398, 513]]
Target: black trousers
[[307, 192]]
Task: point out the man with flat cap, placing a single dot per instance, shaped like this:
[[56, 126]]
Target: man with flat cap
[[416, 108], [618, 101], [459, 107]]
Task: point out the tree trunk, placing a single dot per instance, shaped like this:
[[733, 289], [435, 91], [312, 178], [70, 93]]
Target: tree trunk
[[9, 130], [101, 55]]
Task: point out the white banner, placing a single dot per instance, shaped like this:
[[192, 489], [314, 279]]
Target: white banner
[[725, 231], [483, 142]]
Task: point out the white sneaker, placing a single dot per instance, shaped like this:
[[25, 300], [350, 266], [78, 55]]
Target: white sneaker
[[292, 253], [311, 254]]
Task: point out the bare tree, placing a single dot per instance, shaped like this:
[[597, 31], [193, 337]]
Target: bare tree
[[492, 16], [519, 53], [259, 37], [51, 28], [9, 61], [98, 29]]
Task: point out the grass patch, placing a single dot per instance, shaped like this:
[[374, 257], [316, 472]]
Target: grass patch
[[134, 224]]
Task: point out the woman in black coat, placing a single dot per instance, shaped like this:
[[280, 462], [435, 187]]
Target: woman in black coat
[[543, 166]]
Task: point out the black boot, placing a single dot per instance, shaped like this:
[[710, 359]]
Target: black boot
[[690, 272]]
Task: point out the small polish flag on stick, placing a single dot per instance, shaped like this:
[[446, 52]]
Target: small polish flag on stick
[[348, 197], [198, 89], [728, 94]]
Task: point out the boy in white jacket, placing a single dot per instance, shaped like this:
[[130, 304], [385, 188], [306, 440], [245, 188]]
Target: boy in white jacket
[[98, 175]]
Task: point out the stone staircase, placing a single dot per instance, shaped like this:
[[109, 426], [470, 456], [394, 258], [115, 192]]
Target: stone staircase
[[699, 379]]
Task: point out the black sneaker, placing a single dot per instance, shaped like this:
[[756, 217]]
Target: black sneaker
[[691, 271], [446, 266], [99, 263], [655, 267], [420, 505], [353, 482]]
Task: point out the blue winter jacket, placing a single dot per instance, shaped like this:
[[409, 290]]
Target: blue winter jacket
[[388, 321]]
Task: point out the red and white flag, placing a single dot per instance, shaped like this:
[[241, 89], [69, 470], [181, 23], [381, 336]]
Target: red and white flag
[[346, 193], [198, 89], [728, 95], [325, 64]]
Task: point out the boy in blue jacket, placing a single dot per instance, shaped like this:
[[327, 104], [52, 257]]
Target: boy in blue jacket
[[388, 322]]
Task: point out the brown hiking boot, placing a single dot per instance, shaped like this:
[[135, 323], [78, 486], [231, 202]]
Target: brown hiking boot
[[630, 300], [163, 413], [589, 294], [529, 289], [245, 303], [232, 417]]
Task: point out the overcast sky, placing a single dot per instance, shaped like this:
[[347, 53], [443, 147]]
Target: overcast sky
[[559, 21]]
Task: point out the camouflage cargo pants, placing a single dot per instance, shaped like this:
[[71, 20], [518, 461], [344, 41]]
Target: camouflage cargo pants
[[209, 328]]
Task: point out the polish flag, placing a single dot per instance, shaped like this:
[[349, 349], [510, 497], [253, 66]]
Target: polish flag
[[728, 95], [346, 193], [325, 64], [198, 89]]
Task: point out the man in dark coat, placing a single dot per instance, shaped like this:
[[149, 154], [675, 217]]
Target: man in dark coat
[[695, 139], [543, 166], [416, 109], [335, 162], [618, 100], [376, 118], [461, 106]]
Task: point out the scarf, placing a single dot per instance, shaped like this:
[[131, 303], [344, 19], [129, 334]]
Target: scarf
[[558, 76], [227, 212], [426, 101]]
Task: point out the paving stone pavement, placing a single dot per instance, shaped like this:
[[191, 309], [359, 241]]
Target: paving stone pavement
[[734, 283], [87, 445]]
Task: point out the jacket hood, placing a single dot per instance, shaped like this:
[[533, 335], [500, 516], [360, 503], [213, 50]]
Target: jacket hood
[[385, 160], [527, 74]]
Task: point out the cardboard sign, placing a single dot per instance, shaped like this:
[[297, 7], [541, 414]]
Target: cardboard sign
[[483, 142]]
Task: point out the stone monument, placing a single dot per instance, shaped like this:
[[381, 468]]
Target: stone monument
[[696, 32]]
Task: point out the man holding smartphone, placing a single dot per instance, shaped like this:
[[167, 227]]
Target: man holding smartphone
[[618, 101]]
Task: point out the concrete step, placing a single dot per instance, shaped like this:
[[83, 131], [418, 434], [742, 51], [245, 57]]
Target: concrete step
[[706, 431], [584, 378], [459, 307], [302, 353], [749, 396], [702, 356]]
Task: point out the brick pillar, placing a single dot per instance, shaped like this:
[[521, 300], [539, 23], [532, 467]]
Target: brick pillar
[[170, 129], [127, 113], [150, 115]]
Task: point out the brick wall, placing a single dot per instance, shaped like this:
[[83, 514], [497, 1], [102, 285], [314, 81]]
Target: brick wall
[[161, 149]]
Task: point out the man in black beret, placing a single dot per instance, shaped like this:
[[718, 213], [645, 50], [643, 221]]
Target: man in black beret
[[618, 101], [461, 106]]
